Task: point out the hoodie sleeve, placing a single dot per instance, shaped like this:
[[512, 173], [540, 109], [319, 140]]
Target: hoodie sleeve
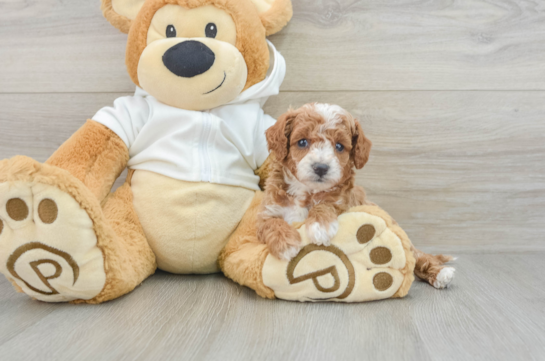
[[126, 118]]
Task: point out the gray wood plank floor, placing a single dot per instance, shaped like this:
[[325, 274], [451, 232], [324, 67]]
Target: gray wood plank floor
[[452, 95], [494, 311]]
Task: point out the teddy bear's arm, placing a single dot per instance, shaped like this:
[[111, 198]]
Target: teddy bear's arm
[[95, 155]]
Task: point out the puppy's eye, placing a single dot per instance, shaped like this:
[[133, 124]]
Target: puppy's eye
[[171, 31], [211, 30], [303, 143], [339, 147]]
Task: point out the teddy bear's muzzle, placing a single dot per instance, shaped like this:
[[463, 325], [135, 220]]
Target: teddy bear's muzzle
[[189, 58]]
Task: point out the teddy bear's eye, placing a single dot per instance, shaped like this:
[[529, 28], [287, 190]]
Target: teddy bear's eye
[[171, 31], [211, 30]]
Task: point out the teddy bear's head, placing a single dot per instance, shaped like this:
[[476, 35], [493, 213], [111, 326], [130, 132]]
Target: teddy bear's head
[[197, 54]]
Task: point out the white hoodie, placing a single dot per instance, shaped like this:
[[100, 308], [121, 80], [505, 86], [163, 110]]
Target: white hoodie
[[224, 145]]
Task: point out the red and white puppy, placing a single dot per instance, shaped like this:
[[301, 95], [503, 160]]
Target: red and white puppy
[[316, 148]]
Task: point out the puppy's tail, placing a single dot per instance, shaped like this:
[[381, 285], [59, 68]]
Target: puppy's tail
[[443, 258]]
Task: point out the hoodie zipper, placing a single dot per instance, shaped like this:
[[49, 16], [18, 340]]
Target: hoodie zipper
[[203, 147]]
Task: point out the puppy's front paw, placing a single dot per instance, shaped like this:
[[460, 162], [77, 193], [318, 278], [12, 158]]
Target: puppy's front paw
[[285, 250], [289, 252], [283, 242], [321, 234]]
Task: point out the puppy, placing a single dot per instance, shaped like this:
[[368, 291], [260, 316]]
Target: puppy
[[316, 148]]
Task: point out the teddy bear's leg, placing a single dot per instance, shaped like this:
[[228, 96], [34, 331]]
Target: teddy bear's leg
[[130, 259], [243, 257], [62, 237], [369, 259], [57, 243]]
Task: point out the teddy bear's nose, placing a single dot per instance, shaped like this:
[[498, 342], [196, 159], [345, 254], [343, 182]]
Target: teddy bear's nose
[[189, 58]]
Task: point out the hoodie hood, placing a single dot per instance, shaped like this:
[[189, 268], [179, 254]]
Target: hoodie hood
[[271, 84]]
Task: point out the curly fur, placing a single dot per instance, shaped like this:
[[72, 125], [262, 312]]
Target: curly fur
[[291, 194], [429, 266], [285, 192]]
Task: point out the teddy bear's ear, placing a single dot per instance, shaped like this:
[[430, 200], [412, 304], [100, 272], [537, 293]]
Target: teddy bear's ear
[[120, 13], [275, 14]]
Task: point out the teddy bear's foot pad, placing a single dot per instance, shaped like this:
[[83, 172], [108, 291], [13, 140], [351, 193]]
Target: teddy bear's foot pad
[[48, 246], [366, 261]]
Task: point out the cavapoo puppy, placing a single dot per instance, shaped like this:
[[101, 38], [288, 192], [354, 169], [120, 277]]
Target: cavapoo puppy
[[316, 149]]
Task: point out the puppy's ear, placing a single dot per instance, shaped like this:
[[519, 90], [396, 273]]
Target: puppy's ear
[[274, 14], [361, 147], [279, 134], [121, 13]]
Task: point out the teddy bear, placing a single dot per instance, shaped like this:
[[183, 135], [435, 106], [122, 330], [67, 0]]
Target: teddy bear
[[193, 139]]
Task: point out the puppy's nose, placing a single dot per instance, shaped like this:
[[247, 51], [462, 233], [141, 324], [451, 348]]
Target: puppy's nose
[[320, 169], [189, 58]]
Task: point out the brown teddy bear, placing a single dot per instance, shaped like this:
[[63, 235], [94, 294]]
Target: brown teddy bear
[[193, 139]]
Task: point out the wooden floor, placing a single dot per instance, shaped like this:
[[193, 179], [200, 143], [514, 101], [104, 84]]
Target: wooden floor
[[494, 311], [452, 94]]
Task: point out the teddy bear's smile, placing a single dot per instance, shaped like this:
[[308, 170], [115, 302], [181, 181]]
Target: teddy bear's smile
[[219, 86]]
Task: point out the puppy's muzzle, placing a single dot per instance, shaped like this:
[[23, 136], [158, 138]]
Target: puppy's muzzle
[[189, 58], [320, 169]]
